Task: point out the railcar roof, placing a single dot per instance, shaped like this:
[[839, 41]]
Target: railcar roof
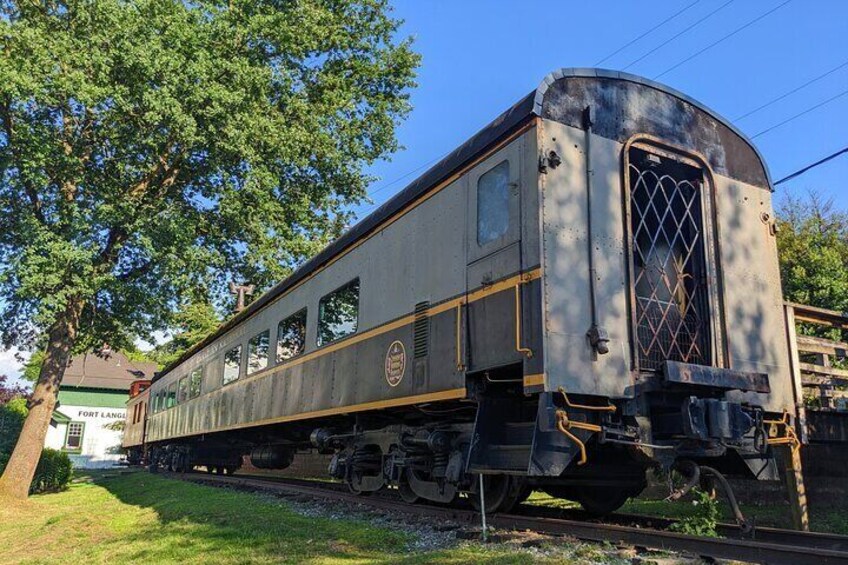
[[525, 109]]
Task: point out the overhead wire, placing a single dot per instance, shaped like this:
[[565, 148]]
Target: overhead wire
[[675, 36], [793, 91], [799, 114], [818, 163], [656, 27], [728, 36]]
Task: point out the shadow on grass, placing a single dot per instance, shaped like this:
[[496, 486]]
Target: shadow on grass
[[227, 526]]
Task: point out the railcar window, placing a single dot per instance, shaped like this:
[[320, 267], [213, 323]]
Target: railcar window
[[232, 364], [291, 336], [182, 390], [338, 313], [493, 203], [194, 383], [73, 438], [172, 395], [257, 352], [155, 403]]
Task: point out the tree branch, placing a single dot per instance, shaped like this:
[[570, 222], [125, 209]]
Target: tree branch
[[30, 191]]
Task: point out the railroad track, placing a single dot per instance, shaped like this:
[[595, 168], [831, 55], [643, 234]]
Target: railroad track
[[768, 545]]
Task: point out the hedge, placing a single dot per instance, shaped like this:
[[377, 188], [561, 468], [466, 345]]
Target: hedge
[[54, 469]]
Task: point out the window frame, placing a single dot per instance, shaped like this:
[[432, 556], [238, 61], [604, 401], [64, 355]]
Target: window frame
[[305, 312], [240, 348], [171, 401], [199, 373], [65, 446], [250, 346], [358, 282], [506, 228], [182, 390]]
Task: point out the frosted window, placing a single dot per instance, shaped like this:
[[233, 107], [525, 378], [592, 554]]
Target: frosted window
[[493, 204]]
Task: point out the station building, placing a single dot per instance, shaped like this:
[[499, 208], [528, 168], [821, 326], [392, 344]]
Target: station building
[[88, 420]]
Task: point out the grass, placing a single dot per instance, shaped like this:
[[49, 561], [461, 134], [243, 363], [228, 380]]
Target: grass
[[142, 518], [833, 519]]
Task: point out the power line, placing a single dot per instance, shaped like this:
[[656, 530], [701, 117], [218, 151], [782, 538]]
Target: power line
[[666, 42], [656, 27], [728, 36], [798, 115], [412, 172], [793, 91], [800, 172]]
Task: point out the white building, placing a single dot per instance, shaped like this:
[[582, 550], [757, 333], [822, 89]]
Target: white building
[[88, 420]]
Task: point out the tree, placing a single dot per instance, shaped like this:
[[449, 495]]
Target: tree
[[812, 240], [9, 391], [151, 148], [192, 323]]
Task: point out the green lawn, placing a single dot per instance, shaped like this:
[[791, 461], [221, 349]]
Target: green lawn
[[143, 518], [833, 519]]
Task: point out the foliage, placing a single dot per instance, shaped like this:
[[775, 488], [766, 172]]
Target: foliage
[[54, 472], [152, 150], [812, 239], [704, 521], [193, 321], [12, 416], [9, 392], [54, 468]]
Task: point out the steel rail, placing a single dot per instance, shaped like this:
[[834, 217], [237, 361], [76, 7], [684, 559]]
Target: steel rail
[[772, 546]]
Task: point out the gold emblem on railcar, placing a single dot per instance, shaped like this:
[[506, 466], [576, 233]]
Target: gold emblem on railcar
[[395, 363]]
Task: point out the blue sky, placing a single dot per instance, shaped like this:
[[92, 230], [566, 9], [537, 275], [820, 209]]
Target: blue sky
[[480, 57]]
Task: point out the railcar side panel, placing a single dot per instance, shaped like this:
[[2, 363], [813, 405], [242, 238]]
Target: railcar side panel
[[756, 328], [420, 257], [570, 362]]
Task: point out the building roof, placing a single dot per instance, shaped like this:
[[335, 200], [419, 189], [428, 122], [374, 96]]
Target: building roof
[[530, 106], [106, 370]]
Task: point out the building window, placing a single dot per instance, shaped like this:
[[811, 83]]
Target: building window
[[291, 336], [182, 390], [493, 204], [73, 437], [232, 364], [257, 352], [338, 313], [172, 395], [195, 379]]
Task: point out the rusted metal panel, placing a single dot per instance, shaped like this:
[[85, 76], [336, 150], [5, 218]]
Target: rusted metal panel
[[702, 375]]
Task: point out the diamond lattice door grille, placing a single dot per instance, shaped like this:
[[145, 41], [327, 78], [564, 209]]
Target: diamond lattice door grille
[[672, 306]]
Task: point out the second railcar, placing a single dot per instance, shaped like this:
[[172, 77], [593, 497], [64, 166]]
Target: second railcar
[[585, 289]]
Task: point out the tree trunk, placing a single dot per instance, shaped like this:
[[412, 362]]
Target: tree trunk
[[20, 470]]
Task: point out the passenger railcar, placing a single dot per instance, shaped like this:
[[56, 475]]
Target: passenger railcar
[[585, 289]]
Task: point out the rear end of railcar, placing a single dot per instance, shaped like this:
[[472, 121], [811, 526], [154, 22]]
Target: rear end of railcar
[[665, 342]]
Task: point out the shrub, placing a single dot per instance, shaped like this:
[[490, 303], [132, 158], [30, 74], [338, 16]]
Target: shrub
[[12, 416], [53, 473]]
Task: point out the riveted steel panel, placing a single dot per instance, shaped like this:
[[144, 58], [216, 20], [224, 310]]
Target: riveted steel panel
[[756, 328], [570, 361]]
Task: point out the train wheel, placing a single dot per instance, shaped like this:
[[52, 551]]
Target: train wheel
[[502, 492], [405, 491], [600, 501]]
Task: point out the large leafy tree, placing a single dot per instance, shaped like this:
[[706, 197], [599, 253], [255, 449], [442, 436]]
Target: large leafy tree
[[813, 243], [151, 148], [812, 239]]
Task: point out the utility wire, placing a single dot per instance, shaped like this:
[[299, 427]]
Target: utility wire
[[728, 36], [800, 172], [412, 172], [793, 91], [799, 114], [656, 27], [672, 38]]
